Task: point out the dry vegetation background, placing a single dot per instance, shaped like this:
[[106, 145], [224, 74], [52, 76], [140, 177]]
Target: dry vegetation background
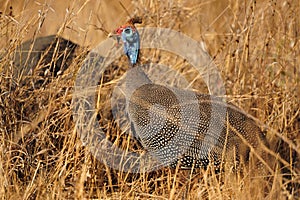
[[255, 44]]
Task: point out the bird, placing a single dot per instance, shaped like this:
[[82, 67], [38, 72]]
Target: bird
[[130, 38], [35, 58], [196, 139]]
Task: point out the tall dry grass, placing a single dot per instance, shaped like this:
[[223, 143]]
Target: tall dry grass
[[256, 47]]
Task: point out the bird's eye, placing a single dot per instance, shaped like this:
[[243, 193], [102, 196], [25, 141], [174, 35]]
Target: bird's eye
[[127, 30]]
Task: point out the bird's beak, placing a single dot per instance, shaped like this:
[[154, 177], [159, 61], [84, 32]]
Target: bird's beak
[[115, 37], [112, 35]]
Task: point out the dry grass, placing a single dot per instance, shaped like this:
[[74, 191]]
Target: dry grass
[[256, 47]]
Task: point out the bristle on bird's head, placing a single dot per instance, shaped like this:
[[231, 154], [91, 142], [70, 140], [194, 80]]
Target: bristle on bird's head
[[130, 23]]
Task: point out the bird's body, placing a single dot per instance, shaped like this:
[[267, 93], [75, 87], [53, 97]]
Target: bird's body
[[177, 125]]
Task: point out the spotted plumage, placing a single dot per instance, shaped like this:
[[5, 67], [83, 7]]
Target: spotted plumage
[[174, 130]]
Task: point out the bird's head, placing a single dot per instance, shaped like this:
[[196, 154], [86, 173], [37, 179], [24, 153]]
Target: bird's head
[[125, 28]]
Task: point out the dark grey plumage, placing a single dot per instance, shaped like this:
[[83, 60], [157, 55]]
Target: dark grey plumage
[[177, 125], [43, 57]]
